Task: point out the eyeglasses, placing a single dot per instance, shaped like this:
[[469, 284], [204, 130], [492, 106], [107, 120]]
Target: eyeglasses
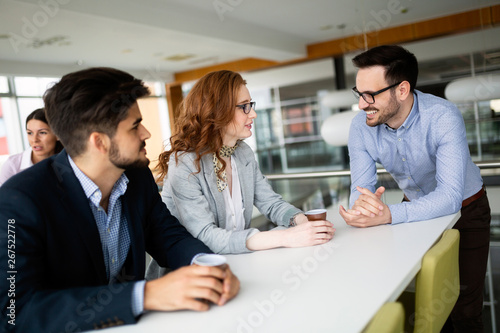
[[247, 107], [370, 97]]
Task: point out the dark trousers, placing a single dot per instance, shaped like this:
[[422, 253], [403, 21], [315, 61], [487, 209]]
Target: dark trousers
[[474, 227]]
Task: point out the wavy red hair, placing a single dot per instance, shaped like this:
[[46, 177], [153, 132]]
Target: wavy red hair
[[204, 114]]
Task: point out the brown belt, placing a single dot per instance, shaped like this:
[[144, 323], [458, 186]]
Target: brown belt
[[473, 198], [467, 201]]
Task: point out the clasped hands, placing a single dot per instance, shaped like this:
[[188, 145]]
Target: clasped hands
[[368, 210]]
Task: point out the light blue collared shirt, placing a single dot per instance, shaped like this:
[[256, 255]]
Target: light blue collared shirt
[[427, 156], [113, 230]]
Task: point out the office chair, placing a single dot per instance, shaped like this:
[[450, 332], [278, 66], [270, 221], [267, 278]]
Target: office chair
[[437, 286], [388, 319]]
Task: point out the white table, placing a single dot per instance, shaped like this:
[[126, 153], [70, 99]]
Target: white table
[[335, 287]]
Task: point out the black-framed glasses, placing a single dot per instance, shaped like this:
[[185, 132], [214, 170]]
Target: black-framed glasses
[[370, 97], [247, 107]]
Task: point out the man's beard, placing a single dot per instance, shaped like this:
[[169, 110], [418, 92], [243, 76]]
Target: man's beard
[[122, 163], [383, 116]]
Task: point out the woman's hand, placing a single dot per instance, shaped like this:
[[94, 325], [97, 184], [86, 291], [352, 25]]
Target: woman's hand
[[308, 233]]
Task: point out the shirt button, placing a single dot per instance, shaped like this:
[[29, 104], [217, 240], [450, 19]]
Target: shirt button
[[399, 139], [404, 159], [418, 190], [109, 231], [409, 177], [113, 260]]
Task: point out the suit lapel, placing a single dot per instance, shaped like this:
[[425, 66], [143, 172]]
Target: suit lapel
[[76, 204], [135, 256]]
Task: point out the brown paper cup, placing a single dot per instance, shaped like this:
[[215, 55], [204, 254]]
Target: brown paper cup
[[316, 214]]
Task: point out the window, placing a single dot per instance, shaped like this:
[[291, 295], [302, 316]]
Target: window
[[19, 96]]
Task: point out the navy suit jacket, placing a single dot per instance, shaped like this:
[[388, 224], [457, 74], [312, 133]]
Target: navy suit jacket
[[59, 280]]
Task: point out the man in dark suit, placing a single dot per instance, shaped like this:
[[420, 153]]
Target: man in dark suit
[[75, 227]]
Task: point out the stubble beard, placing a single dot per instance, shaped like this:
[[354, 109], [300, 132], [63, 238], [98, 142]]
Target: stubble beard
[[383, 116], [123, 163]]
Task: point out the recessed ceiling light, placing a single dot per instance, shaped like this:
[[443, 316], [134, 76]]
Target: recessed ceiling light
[[127, 51], [213, 59], [179, 57], [326, 27]]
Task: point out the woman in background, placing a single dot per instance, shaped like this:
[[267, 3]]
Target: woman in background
[[43, 143], [211, 180]]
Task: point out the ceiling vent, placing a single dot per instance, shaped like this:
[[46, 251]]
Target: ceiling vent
[[56, 40]]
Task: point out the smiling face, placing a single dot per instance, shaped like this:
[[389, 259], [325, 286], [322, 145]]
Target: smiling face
[[41, 139], [128, 144], [241, 126], [386, 109]]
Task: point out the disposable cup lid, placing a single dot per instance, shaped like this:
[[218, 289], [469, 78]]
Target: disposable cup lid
[[210, 260], [315, 211]]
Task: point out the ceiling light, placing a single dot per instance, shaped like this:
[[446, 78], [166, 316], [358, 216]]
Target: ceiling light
[[213, 59], [179, 57], [338, 99], [335, 129], [475, 88], [495, 105]]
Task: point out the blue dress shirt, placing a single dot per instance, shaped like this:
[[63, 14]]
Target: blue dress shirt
[[427, 156], [113, 230]]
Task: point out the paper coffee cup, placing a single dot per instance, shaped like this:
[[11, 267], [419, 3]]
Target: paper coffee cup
[[316, 214], [210, 260], [214, 260]]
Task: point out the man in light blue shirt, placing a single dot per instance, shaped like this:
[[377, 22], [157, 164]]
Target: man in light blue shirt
[[420, 140]]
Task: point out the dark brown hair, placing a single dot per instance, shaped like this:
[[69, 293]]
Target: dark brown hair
[[39, 114], [399, 63], [90, 100], [204, 114]]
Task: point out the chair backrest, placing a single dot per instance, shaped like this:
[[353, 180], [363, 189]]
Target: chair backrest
[[388, 319], [438, 284]]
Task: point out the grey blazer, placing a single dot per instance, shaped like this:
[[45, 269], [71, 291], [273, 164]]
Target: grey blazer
[[195, 200]]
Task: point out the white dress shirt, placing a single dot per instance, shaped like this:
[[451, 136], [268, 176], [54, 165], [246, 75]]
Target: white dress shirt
[[234, 205]]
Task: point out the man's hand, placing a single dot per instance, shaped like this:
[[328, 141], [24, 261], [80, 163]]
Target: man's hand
[[368, 210], [187, 287], [230, 287], [368, 203]]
